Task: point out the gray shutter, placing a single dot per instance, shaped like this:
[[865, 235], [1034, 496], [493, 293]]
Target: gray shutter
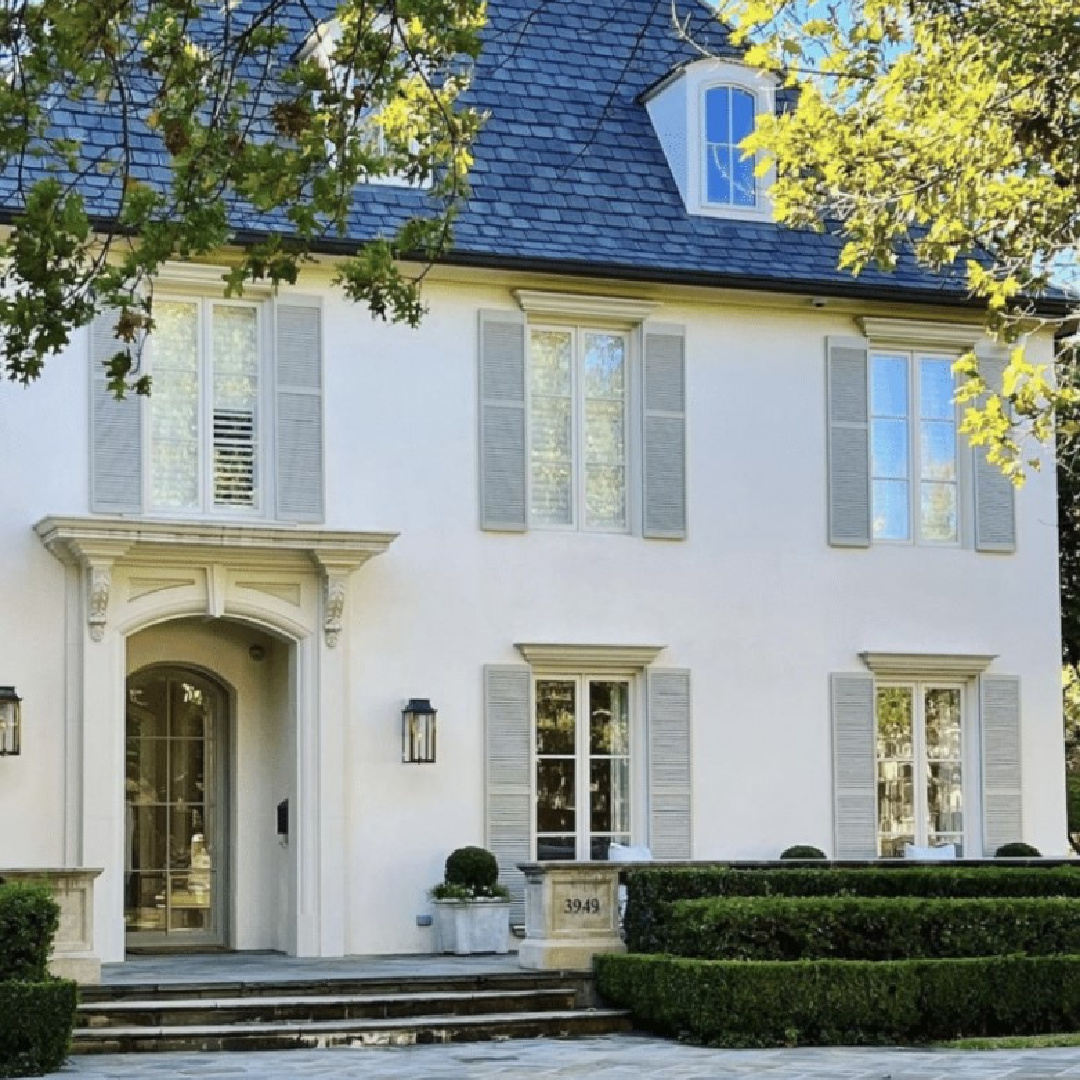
[[995, 497], [854, 766], [503, 427], [298, 388], [1002, 821], [116, 453], [508, 745], [670, 792], [664, 433], [848, 409]]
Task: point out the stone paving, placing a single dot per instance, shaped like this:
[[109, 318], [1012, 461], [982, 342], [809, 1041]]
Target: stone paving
[[612, 1057]]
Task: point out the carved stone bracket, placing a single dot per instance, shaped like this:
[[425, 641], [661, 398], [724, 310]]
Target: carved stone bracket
[[98, 584], [336, 586]]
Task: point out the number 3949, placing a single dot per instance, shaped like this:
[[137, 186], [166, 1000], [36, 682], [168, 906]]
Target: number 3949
[[578, 906]]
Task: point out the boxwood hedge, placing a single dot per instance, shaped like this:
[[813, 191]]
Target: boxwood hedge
[[844, 1002], [29, 917], [869, 928], [650, 890], [36, 1019]]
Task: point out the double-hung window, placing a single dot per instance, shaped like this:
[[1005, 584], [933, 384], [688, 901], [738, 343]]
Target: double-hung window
[[913, 438], [728, 174], [578, 461], [582, 754], [205, 424], [920, 771]]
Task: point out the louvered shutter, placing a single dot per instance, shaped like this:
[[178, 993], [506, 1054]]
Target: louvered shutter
[[508, 735], [1002, 819], [116, 451], [847, 392], [854, 766], [670, 791], [503, 427], [995, 497], [664, 433], [298, 374]]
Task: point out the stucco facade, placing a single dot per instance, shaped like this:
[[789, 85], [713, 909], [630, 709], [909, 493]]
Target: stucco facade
[[754, 603]]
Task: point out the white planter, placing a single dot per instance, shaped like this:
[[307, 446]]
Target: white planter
[[472, 926]]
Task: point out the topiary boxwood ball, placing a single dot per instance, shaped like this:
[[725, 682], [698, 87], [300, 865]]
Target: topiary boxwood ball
[[1017, 850], [473, 867], [802, 851]]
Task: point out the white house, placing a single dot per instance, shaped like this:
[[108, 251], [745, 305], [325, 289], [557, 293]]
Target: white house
[[668, 519]]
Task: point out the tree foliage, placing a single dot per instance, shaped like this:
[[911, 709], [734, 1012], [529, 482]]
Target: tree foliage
[[133, 132], [948, 128]]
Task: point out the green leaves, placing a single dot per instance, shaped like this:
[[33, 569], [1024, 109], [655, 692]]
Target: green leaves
[[252, 120], [943, 128]]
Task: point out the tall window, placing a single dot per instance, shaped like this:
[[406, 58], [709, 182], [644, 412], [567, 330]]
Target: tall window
[[204, 406], [919, 766], [913, 440], [582, 754], [728, 174], [577, 422]]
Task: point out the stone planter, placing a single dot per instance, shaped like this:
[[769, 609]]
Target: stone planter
[[472, 926]]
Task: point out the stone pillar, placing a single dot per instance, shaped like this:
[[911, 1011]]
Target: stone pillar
[[571, 915]]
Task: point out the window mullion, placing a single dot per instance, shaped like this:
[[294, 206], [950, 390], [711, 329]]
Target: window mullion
[[921, 771], [206, 407], [584, 811]]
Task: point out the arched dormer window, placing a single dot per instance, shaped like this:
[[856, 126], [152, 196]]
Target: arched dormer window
[[702, 111], [728, 174]]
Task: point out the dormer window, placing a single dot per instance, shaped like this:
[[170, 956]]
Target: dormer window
[[702, 113], [728, 115]]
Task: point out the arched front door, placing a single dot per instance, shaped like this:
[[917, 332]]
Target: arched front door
[[175, 842]]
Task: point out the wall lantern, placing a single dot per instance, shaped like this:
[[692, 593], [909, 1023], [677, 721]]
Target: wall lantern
[[10, 721], [418, 731]]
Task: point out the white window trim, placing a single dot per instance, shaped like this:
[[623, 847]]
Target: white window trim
[[576, 327], [702, 77], [192, 288], [914, 351]]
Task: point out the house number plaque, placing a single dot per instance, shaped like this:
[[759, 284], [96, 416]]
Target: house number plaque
[[578, 905]]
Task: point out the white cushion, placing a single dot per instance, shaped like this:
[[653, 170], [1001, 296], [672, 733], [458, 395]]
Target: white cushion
[[629, 853], [943, 851]]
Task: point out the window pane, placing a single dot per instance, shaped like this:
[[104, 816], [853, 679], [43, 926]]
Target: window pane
[[549, 362], [889, 386], [938, 512], [718, 173], [555, 801], [717, 115], [744, 183], [891, 510], [174, 407], [895, 767], [605, 361], [551, 437], [556, 847], [890, 449], [894, 724], [605, 497], [235, 358], [609, 718], [936, 389], [609, 795], [742, 115], [942, 706], [945, 800], [555, 716], [937, 448]]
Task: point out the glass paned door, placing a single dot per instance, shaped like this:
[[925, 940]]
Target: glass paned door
[[582, 754], [174, 809]]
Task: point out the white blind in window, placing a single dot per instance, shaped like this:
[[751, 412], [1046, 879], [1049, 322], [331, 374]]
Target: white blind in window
[[236, 366]]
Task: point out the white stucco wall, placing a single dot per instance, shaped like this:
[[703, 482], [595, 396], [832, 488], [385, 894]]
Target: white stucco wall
[[755, 602]]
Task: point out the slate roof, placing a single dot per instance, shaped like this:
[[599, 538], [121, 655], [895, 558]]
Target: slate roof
[[569, 174]]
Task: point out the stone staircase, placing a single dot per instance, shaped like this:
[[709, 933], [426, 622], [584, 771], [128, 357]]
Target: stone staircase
[[307, 1014]]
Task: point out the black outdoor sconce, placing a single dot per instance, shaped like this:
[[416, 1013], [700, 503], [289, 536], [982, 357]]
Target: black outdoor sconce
[[10, 721], [418, 731]]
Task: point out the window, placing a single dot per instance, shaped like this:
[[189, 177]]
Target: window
[[728, 175], [204, 418], [919, 750], [914, 461], [582, 749], [577, 428]]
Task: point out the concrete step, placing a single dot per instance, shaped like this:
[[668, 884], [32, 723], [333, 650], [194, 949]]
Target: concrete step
[[317, 1034], [265, 1008]]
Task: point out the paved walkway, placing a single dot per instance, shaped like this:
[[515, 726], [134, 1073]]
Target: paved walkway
[[613, 1057]]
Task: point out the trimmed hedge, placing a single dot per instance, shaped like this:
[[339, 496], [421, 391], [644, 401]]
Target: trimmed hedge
[[650, 890], [36, 1019], [869, 928], [29, 917], [844, 1002]]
